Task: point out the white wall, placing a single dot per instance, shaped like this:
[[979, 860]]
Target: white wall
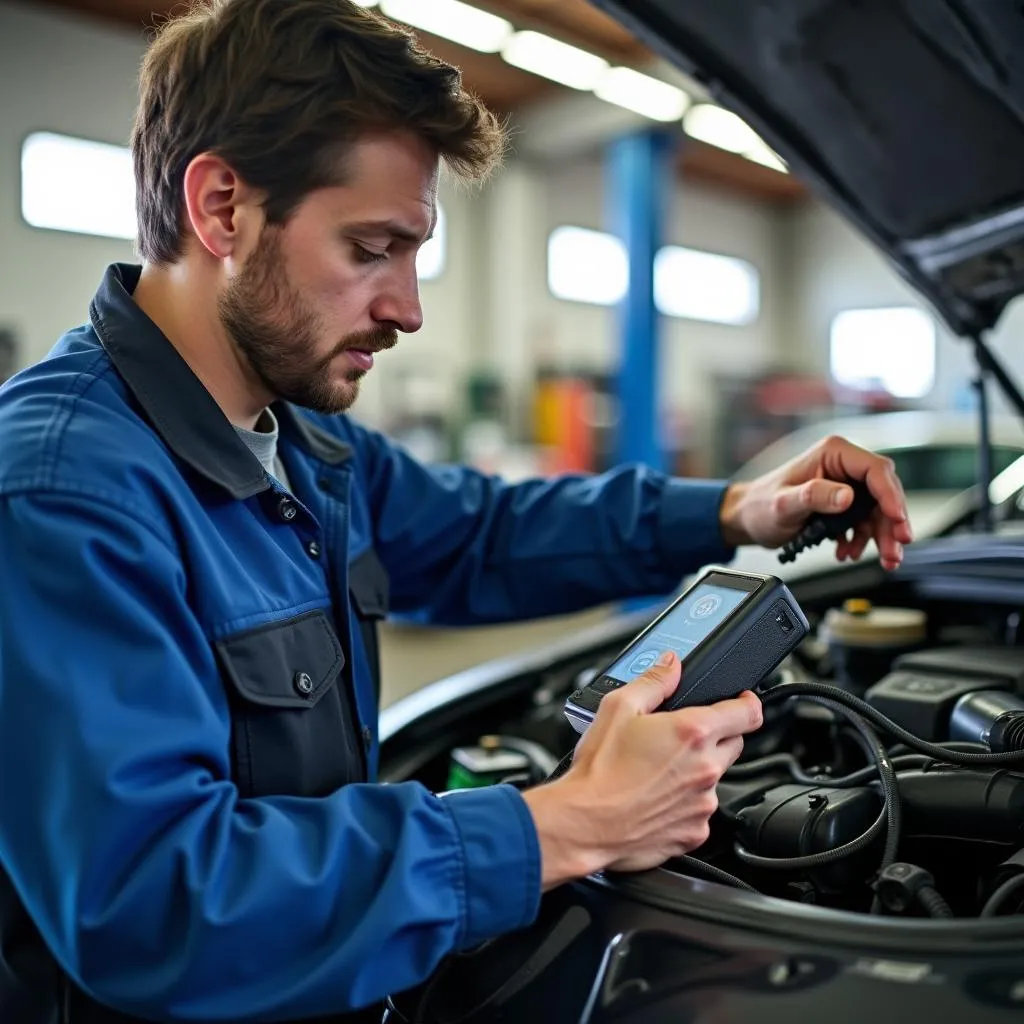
[[836, 270]]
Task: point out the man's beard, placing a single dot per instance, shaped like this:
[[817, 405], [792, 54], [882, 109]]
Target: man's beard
[[277, 332]]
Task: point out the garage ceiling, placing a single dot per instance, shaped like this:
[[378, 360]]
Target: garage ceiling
[[508, 89]]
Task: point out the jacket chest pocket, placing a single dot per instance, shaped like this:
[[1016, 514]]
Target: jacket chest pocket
[[369, 587], [292, 726]]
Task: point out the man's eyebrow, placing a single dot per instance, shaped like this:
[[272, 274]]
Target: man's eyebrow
[[387, 227]]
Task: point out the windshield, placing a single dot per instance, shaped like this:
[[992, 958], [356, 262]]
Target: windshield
[[951, 467]]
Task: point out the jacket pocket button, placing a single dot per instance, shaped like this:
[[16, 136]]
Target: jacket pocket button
[[303, 683], [313, 549]]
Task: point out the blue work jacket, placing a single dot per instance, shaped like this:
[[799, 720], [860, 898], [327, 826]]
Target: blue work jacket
[[189, 826]]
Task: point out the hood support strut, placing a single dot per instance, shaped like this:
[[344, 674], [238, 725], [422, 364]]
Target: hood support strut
[[988, 364]]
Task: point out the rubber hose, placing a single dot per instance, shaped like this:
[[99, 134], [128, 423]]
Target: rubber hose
[[932, 901], [1002, 895]]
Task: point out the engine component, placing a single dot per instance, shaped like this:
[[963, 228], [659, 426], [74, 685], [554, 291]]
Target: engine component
[[864, 641], [821, 527], [1001, 667], [900, 886], [923, 702], [991, 717], [963, 804], [795, 821]]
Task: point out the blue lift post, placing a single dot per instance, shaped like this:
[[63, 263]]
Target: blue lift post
[[639, 185]]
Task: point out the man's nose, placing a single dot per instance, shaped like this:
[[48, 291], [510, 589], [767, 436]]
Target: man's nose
[[400, 305]]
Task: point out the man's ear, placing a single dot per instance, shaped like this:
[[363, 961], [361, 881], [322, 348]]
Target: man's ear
[[221, 209]]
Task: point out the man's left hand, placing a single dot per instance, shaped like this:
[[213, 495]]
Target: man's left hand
[[772, 509]]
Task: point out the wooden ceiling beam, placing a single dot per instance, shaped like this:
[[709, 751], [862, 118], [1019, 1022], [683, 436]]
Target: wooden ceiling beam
[[574, 21]]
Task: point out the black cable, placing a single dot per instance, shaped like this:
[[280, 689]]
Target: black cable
[[713, 873], [562, 767], [815, 860], [965, 747], [889, 818], [995, 902], [886, 725]]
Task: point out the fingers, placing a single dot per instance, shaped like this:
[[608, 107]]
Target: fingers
[[853, 547], [728, 752], [724, 720], [890, 550], [649, 691], [836, 459], [839, 459], [795, 503]]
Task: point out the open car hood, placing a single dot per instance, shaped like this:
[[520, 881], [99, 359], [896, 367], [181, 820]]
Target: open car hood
[[906, 116]]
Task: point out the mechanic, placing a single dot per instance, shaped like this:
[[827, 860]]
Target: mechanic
[[197, 546]]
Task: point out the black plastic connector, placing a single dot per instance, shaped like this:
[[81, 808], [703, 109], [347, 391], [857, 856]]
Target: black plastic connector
[[820, 527], [900, 886]]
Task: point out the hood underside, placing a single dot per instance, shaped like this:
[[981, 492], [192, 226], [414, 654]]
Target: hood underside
[[906, 116]]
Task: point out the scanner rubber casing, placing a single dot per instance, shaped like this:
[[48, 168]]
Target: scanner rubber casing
[[745, 648]]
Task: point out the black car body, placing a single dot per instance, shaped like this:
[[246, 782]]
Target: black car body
[[907, 116]]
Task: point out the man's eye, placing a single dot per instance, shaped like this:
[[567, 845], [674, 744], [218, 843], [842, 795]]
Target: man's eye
[[365, 255]]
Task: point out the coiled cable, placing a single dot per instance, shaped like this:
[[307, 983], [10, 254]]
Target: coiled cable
[[889, 819]]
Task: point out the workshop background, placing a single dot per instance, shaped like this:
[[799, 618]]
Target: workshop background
[[643, 279]]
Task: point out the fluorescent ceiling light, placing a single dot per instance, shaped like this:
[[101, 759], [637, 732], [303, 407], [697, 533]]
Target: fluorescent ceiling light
[[720, 127], [642, 94], [562, 63], [763, 155], [452, 20]]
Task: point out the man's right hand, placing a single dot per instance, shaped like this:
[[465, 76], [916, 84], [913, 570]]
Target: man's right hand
[[641, 788]]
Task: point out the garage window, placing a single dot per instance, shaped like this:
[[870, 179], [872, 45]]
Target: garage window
[[892, 349], [705, 286], [587, 266], [430, 260], [591, 266], [70, 184]]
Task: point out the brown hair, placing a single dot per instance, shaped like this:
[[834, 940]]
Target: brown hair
[[278, 89]]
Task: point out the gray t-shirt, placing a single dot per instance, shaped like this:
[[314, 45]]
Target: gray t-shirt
[[262, 442]]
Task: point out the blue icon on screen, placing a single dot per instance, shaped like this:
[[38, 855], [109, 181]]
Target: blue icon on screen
[[642, 662]]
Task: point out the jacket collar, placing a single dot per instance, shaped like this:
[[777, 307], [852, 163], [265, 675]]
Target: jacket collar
[[180, 408]]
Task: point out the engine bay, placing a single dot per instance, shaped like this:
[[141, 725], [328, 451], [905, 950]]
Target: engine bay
[[887, 779]]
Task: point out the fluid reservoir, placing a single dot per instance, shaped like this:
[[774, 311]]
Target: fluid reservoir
[[864, 640]]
